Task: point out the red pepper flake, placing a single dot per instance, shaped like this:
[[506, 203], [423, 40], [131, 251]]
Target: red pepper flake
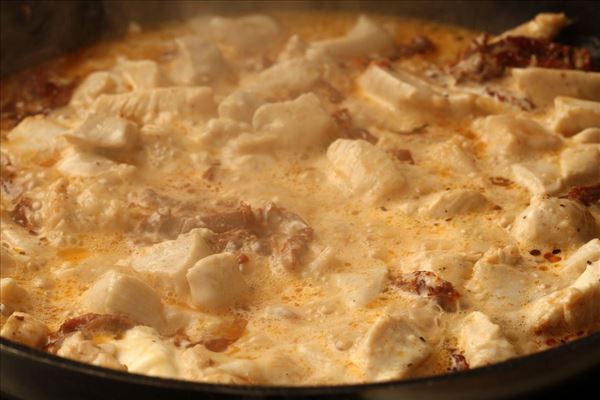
[[458, 363], [242, 258], [535, 252], [587, 195], [552, 258], [551, 342]]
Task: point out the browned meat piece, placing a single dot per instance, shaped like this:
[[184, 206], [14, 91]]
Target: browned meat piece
[[348, 130], [458, 363], [36, 93], [89, 325], [586, 195], [428, 284], [269, 230], [485, 59], [20, 214], [418, 44], [403, 155]]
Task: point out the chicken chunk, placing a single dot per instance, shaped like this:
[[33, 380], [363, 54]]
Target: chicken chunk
[[141, 74], [542, 85], [24, 328], [297, 125], [482, 341], [539, 177], [216, 282], [390, 349], [104, 132], [573, 115], [158, 105], [77, 347], [449, 203], [117, 293], [12, 296], [543, 26], [580, 165], [166, 263], [551, 223], [95, 84], [240, 106], [359, 289], [513, 137], [366, 170], [198, 62], [570, 309], [365, 38]]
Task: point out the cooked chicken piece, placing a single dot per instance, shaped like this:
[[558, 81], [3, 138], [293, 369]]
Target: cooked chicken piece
[[571, 309], [117, 293], [24, 328], [216, 282], [158, 105], [365, 38], [365, 170], [543, 85], [572, 115], [482, 341], [543, 26], [551, 223], [198, 62]]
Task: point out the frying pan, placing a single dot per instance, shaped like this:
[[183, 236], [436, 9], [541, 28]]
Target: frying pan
[[34, 31]]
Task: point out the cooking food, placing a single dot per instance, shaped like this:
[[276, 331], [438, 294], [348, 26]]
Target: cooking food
[[303, 199]]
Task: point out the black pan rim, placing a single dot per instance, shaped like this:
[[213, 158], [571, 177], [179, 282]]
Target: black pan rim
[[36, 355]]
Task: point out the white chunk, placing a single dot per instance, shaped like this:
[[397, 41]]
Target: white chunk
[[514, 137], [160, 105], [250, 34], [584, 256], [167, 263], [552, 223], [297, 124], [141, 74], [95, 84], [36, 137], [390, 349], [589, 135], [573, 115], [450, 203], [197, 62], [76, 347], [570, 309], [395, 89], [543, 26], [538, 177], [286, 78], [117, 293], [580, 165], [143, 351], [24, 328], [79, 164], [365, 38], [295, 47], [542, 85], [490, 274], [13, 296], [219, 131], [106, 132], [366, 170], [240, 106], [216, 282], [482, 341], [360, 288]]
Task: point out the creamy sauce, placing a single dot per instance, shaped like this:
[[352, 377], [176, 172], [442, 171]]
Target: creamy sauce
[[399, 221]]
